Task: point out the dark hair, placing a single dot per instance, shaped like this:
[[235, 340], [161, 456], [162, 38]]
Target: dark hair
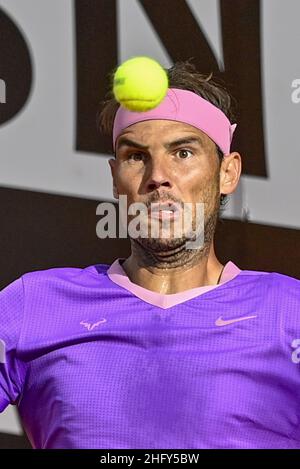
[[182, 75]]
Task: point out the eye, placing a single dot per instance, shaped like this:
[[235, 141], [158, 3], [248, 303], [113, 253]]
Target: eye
[[136, 156], [184, 153]]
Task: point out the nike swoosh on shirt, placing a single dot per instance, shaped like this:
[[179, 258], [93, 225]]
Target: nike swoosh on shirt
[[225, 322]]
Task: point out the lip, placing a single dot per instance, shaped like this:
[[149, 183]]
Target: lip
[[168, 205], [163, 215], [164, 210]]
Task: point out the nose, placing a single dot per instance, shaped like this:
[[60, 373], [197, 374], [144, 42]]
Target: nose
[[158, 175]]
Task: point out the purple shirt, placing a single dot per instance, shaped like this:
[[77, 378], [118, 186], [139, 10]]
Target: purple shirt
[[94, 361]]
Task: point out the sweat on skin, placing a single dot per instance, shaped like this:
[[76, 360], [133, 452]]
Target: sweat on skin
[[160, 160]]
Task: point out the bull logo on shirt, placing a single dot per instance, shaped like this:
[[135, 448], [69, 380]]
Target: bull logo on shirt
[[91, 326]]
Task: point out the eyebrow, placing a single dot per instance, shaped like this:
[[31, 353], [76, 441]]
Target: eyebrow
[[126, 142]]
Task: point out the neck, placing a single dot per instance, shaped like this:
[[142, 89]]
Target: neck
[[173, 271]]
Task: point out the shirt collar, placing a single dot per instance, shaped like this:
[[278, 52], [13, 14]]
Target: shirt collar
[[118, 275]]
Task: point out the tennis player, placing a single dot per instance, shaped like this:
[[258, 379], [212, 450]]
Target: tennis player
[[167, 348]]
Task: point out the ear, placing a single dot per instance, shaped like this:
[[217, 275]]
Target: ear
[[112, 164], [230, 172]]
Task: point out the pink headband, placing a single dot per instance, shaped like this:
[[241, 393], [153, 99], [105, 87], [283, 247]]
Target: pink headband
[[183, 106]]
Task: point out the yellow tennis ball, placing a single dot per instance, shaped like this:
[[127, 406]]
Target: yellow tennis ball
[[140, 84]]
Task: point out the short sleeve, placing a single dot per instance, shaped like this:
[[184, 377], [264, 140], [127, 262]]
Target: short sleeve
[[11, 317]]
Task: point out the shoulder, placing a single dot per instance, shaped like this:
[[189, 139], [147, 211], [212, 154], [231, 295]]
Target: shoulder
[[281, 293], [36, 285], [64, 275], [274, 279], [36, 293], [270, 288], [286, 280], [284, 285], [11, 310]]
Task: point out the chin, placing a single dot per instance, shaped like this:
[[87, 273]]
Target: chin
[[162, 244]]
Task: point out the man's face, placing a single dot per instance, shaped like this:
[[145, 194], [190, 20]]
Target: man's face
[[162, 161]]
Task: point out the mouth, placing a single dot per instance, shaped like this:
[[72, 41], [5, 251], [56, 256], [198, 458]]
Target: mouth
[[165, 210]]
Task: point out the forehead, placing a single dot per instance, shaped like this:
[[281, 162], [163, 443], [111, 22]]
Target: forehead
[[163, 129]]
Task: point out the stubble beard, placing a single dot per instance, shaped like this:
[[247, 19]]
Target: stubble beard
[[173, 251]]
